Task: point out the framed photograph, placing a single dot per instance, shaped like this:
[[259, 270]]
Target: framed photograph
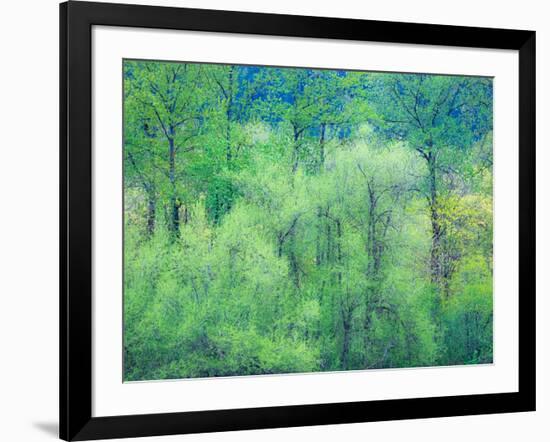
[[273, 220]]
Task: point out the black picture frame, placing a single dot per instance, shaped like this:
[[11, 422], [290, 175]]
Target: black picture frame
[[76, 21]]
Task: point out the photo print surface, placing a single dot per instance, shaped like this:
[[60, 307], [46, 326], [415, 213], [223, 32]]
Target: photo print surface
[[292, 220]]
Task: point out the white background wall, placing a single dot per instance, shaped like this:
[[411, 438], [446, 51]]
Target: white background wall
[[29, 218]]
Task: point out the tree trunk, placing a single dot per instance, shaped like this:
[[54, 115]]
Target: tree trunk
[[151, 212], [328, 257], [370, 291], [346, 324], [322, 146], [367, 322], [318, 250], [294, 267], [371, 232], [228, 112], [185, 215], [174, 201], [296, 150], [435, 254], [375, 251]]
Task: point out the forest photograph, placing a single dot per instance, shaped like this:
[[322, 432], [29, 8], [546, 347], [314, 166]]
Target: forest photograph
[[294, 220]]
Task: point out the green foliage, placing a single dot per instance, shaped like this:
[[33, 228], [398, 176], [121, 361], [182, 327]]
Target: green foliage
[[297, 220]]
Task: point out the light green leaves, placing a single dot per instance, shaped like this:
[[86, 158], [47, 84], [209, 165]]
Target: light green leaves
[[282, 220]]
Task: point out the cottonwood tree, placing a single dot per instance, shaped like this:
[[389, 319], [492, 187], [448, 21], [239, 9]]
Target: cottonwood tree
[[441, 118], [166, 96]]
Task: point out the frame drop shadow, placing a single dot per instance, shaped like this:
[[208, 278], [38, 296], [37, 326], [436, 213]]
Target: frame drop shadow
[[49, 428]]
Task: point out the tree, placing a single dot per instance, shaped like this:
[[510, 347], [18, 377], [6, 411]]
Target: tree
[[166, 97], [441, 118]]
